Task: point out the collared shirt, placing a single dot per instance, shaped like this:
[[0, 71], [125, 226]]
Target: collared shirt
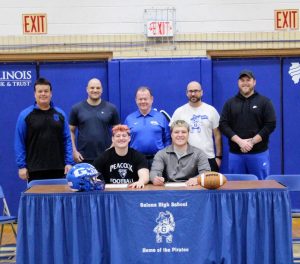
[[168, 165], [149, 133]]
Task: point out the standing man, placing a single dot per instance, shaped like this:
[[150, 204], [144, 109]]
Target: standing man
[[247, 120], [121, 164], [149, 128], [93, 119], [42, 140], [179, 162], [204, 124]]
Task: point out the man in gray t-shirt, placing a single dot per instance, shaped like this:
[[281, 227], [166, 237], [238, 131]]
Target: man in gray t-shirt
[[93, 119]]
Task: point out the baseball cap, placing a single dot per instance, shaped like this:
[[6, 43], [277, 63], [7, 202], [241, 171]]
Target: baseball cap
[[246, 73]]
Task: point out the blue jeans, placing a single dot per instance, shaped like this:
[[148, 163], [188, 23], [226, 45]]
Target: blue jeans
[[257, 164]]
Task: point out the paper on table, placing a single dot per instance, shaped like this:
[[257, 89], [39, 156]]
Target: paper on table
[[175, 184], [115, 186]]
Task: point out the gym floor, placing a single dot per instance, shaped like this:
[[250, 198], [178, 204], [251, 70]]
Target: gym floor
[[296, 234]]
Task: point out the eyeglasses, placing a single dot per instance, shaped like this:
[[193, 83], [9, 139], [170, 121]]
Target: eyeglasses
[[193, 91]]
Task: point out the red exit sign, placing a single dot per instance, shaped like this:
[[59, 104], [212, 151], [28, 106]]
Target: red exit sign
[[160, 29], [34, 23], [286, 19]]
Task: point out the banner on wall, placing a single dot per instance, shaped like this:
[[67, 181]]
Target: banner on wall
[[16, 78], [294, 72], [290, 102]]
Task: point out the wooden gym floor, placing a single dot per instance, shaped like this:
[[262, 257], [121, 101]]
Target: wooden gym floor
[[296, 234]]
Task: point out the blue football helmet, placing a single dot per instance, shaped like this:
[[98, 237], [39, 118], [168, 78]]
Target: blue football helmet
[[83, 177]]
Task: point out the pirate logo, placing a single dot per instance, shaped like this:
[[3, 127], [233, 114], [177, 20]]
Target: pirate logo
[[165, 227]]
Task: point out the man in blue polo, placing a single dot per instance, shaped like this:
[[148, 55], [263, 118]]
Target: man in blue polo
[[149, 128]]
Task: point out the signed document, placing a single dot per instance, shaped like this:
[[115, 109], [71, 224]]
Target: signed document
[[175, 184], [115, 186]]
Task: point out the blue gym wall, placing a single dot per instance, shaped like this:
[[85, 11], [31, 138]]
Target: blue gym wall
[[268, 83], [69, 80], [168, 79], [291, 115]]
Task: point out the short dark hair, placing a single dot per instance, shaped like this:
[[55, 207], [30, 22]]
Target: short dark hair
[[43, 81]]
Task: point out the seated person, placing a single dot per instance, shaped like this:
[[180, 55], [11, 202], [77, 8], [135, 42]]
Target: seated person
[[180, 161], [121, 164]]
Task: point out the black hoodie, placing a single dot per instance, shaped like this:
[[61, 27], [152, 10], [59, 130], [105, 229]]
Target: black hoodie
[[247, 117]]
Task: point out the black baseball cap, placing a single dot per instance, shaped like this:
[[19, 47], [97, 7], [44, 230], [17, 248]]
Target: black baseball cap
[[246, 73]]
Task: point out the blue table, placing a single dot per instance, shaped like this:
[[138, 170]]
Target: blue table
[[241, 223]]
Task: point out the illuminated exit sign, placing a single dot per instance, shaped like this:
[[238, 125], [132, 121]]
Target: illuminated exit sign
[[34, 24], [286, 19], [160, 29]]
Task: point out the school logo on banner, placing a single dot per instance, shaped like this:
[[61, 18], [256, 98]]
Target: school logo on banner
[[164, 237], [15, 78], [165, 227], [294, 72]]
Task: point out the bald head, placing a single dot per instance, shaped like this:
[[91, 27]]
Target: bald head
[[194, 85], [94, 82], [194, 93], [94, 91]]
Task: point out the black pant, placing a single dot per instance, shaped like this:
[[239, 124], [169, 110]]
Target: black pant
[[213, 165]]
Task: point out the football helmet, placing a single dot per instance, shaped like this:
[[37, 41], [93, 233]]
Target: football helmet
[[83, 177]]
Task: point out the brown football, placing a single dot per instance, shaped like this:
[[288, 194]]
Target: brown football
[[211, 180]]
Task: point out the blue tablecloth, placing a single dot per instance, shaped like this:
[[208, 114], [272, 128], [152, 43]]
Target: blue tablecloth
[[182, 227]]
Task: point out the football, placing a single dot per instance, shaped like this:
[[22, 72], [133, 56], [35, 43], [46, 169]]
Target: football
[[211, 180]]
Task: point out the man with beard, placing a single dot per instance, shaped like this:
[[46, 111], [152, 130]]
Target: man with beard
[[247, 120], [93, 118], [203, 120]]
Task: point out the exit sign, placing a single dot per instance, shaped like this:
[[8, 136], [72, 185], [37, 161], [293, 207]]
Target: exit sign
[[160, 29], [286, 19], [34, 24]]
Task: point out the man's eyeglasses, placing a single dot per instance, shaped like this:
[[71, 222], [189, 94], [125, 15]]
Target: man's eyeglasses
[[193, 91]]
